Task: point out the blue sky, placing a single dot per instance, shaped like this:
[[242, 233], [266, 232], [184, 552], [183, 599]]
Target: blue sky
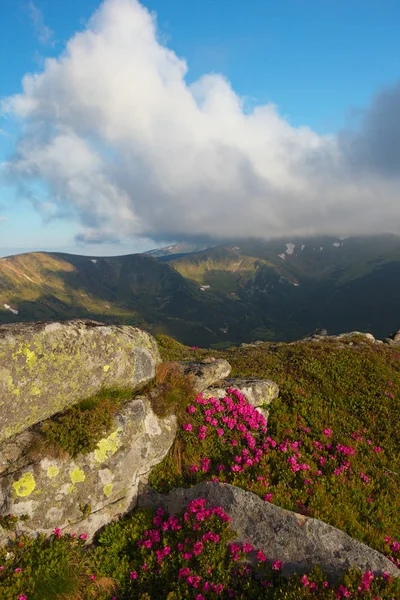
[[318, 61]]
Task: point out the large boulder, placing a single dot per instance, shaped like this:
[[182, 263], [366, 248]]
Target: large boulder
[[83, 494], [47, 367], [299, 542]]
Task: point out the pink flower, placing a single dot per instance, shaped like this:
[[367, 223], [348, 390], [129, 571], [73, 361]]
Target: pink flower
[[18, 570], [133, 575], [277, 565], [261, 556], [92, 577], [191, 409], [305, 581], [188, 427], [83, 536], [327, 432], [268, 497], [183, 572], [22, 597], [57, 532], [198, 548]]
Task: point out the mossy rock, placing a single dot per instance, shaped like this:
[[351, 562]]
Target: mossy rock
[[47, 367]]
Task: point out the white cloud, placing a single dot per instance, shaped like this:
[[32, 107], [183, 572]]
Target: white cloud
[[3, 219], [119, 137], [43, 33]]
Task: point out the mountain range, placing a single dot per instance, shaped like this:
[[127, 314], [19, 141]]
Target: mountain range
[[219, 296]]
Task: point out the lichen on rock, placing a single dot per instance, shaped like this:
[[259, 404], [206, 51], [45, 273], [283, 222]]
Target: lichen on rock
[[48, 367]]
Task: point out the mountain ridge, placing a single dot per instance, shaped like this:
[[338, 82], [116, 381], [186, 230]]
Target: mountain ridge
[[224, 295]]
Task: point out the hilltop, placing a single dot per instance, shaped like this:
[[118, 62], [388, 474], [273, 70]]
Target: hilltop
[[268, 471]]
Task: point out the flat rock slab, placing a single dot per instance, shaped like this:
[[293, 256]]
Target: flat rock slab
[[83, 494], [299, 542], [206, 373], [257, 392], [47, 367]]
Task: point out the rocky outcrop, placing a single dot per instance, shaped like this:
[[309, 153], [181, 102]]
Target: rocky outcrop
[[322, 335], [47, 367], [84, 493], [299, 542]]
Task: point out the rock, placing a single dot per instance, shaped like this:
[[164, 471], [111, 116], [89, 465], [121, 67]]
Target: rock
[[83, 494], [206, 373], [395, 336], [47, 367], [258, 392], [299, 542]]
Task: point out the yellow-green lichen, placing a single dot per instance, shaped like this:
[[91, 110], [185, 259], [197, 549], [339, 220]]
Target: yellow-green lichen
[[106, 447], [52, 471], [31, 357], [77, 475], [107, 489], [71, 489], [25, 486], [106, 368]]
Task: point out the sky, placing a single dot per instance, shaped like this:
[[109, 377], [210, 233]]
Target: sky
[[125, 125]]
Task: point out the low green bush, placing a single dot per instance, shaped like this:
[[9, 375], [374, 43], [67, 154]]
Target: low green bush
[[78, 429]]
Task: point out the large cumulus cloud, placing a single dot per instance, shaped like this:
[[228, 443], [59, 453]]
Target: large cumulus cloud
[[128, 148]]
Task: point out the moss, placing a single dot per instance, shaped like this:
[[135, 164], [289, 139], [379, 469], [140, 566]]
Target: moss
[[81, 429]]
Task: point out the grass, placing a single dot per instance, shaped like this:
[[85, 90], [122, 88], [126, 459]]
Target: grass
[[352, 390], [79, 429]]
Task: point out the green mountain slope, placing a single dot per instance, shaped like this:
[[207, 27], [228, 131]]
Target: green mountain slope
[[133, 289], [300, 285], [224, 295]]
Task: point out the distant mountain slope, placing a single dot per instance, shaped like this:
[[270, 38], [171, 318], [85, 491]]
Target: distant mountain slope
[[301, 284], [224, 295], [134, 289]]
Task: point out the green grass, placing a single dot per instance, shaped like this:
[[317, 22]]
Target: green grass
[[78, 429], [348, 388]]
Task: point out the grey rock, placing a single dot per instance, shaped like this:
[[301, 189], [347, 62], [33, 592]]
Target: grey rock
[[47, 367], [207, 373], [258, 392], [299, 542], [83, 494], [395, 336]]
